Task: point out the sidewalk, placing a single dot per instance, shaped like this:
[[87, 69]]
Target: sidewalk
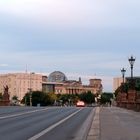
[[119, 124], [115, 124]]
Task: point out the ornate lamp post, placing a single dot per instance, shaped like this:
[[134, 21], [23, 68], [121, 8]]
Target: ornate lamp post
[[131, 61], [123, 73]]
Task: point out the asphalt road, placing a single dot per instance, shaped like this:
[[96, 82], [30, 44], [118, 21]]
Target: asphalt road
[[53, 123]]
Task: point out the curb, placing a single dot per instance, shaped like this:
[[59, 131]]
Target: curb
[[83, 132], [94, 132]]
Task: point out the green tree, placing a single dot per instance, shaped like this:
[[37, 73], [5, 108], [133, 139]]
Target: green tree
[[68, 99], [87, 97], [138, 87], [26, 99], [51, 98], [39, 97], [15, 98], [106, 97]]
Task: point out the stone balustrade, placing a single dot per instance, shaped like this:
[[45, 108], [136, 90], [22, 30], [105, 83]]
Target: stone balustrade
[[130, 100]]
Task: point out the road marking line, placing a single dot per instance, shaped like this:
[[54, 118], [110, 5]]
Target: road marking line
[[19, 114], [35, 137]]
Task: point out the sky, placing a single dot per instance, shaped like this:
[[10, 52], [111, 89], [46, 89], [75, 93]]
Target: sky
[[81, 38]]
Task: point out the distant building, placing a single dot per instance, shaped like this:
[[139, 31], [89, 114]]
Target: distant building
[[20, 83], [59, 84], [118, 80], [57, 77]]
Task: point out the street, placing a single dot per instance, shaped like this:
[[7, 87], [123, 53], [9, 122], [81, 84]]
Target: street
[[51, 123]]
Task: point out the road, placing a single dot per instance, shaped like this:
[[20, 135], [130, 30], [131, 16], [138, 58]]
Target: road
[[51, 123]]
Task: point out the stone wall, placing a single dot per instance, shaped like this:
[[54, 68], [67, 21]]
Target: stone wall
[[130, 100], [4, 103]]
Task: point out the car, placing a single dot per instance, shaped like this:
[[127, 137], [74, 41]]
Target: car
[[80, 104]]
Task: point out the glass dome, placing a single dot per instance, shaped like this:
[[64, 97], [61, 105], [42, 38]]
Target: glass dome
[[57, 76]]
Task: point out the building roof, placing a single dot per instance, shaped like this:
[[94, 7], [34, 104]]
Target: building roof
[[57, 76]]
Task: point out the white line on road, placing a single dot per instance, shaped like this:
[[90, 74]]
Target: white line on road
[[35, 137], [24, 113]]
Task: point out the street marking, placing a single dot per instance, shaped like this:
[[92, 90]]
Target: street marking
[[24, 113], [35, 137]]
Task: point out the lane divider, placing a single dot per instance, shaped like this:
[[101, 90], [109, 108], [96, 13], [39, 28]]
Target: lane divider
[[35, 137], [24, 113]]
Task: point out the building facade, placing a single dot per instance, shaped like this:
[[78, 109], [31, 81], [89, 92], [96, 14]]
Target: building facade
[[118, 80], [58, 83], [20, 83]]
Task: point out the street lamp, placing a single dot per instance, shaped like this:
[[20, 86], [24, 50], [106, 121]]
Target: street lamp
[[123, 73], [131, 61]]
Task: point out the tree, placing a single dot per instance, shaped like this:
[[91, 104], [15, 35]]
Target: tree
[[26, 99], [15, 98], [87, 97], [39, 97], [106, 97], [138, 86], [68, 99], [51, 98], [44, 99]]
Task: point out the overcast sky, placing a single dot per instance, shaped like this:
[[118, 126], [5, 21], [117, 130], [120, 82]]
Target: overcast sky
[[82, 38]]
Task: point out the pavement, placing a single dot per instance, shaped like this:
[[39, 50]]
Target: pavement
[[113, 123]]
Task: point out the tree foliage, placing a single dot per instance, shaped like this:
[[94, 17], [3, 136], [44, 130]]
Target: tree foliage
[[15, 98], [39, 97], [26, 99], [44, 99], [87, 97], [106, 97], [68, 99]]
